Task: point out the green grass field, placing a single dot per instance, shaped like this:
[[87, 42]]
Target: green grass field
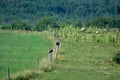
[[18, 50], [76, 60], [84, 61]]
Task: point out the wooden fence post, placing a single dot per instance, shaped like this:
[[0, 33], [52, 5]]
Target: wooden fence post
[[8, 73], [53, 33], [11, 28], [50, 57], [57, 47], [36, 64]]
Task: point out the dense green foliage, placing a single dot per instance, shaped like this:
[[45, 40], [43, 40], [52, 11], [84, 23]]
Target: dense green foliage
[[62, 10], [117, 57], [43, 14], [17, 25], [105, 23], [45, 23], [20, 25]]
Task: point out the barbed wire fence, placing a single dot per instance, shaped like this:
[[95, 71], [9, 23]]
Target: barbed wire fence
[[7, 71]]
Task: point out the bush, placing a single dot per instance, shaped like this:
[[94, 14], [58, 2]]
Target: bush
[[78, 24], [105, 23], [23, 75], [16, 25], [20, 25], [44, 65], [5, 27], [117, 57], [45, 22]]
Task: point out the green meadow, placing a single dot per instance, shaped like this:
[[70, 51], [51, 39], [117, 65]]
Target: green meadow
[[77, 60], [84, 61], [18, 50]]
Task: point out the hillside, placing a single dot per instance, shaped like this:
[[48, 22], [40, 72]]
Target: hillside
[[62, 10]]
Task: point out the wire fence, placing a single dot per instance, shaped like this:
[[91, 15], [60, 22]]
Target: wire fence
[[21, 65], [17, 65], [7, 71]]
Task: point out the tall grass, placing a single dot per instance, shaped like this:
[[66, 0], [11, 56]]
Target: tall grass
[[89, 34]]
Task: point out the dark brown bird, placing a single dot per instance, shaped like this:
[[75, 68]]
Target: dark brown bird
[[118, 9], [50, 51], [57, 43]]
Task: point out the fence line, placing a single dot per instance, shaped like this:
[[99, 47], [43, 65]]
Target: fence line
[[50, 56]]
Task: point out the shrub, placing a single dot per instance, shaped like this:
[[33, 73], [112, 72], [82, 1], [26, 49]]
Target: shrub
[[23, 75], [45, 22], [5, 27], [16, 25], [79, 24], [44, 65], [20, 25], [105, 22], [117, 57]]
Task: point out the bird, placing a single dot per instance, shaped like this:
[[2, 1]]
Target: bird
[[50, 51], [118, 9], [57, 43]]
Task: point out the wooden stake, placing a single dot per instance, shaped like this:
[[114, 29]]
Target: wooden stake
[[56, 51], [8, 73], [50, 57], [37, 64], [57, 47]]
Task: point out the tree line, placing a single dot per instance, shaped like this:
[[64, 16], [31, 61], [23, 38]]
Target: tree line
[[46, 23]]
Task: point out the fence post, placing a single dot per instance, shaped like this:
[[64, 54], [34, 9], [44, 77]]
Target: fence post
[[11, 28], [36, 64], [53, 33], [50, 57], [8, 73], [57, 47]]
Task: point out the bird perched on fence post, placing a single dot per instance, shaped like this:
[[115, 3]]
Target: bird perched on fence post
[[57, 43], [57, 47], [50, 56], [50, 51]]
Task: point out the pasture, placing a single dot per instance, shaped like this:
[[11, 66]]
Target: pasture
[[85, 55], [84, 61], [18, 50], [79, 57]]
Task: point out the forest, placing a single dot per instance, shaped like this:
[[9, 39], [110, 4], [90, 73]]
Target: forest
[[61, 10], [32, 14]]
